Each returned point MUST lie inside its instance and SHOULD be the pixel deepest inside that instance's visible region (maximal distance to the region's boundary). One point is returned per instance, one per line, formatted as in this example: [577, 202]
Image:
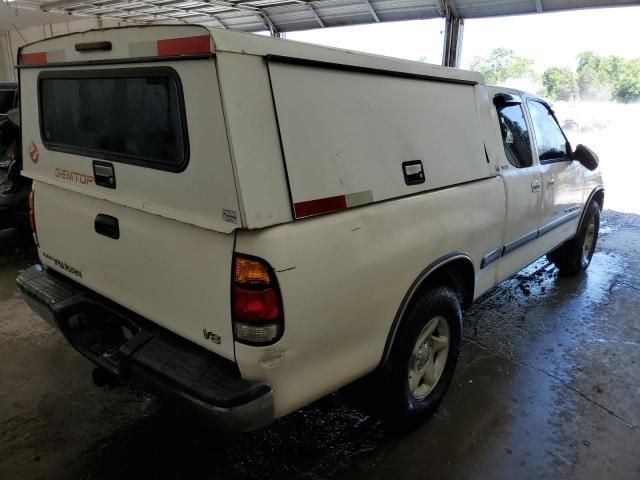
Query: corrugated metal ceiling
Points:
[291, 15]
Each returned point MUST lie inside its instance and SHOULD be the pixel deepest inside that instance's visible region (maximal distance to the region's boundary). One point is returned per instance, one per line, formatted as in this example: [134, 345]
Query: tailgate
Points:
[174, 274]
[135, 192]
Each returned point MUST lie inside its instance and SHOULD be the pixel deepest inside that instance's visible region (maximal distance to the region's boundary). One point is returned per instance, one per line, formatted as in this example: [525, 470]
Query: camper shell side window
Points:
[131, 115]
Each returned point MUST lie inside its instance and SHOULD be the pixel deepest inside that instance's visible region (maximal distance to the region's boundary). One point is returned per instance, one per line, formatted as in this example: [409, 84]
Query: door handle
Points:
[535, 186]
[107, 225]
[551, 182]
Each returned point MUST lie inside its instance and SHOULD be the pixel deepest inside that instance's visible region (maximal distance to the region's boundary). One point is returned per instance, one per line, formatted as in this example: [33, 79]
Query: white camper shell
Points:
[164, 157]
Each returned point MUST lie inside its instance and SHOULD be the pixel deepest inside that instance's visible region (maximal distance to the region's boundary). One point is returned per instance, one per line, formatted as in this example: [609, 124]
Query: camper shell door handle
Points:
[104, 174]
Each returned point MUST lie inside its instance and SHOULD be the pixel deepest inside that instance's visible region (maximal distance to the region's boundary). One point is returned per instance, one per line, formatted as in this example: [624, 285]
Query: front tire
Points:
[574, 257]
[423, 358]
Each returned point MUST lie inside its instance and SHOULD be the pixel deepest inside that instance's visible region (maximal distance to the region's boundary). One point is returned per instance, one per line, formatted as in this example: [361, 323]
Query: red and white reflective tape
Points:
[172, 47]
[42, 58]
[332, 204]
[167, 47]
[37, 58]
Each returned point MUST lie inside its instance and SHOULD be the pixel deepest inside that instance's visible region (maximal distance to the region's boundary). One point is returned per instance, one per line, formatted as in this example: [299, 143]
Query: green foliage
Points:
[626, 87]
[594, 84]
[596, 77]
[559, 83]
[602, 78]
[502, 64]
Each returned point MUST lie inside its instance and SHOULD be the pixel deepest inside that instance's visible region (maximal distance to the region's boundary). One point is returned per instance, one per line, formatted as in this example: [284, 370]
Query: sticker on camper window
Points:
[33, 153]
[229, 216]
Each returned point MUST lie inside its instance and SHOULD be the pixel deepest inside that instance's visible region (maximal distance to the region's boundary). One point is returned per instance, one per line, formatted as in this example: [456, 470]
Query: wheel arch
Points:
[454, 270]
[596, 194]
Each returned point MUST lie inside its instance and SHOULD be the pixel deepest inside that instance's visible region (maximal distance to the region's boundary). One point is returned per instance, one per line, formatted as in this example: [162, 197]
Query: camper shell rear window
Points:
[131, 115]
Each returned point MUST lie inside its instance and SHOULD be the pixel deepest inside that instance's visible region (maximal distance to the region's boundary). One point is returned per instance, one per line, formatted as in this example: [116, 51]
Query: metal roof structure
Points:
[290, 15]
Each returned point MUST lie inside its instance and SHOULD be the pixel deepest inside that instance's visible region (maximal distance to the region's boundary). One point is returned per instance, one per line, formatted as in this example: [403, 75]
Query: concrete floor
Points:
[548, 386]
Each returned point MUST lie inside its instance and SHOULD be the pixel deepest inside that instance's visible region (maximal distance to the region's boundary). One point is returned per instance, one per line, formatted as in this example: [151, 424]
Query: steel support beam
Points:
[450, 6]
[314, 12]
[539, 8]
[269, 24]
[454, 28]
[374, 14]
[138, 12]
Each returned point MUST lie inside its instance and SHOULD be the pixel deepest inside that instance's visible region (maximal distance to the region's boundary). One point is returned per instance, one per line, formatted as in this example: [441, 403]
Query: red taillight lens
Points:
[32, 221]
[255, 305]
[255, 302]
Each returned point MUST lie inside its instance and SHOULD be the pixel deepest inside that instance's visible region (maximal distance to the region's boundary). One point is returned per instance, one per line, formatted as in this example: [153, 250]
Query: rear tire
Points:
[423, 358]
[574, 256]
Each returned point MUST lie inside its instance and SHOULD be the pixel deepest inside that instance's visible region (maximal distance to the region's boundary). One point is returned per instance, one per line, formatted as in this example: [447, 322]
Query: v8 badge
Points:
[217, 339]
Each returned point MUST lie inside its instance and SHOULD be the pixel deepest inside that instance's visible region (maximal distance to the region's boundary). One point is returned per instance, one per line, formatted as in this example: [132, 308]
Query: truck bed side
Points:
[343, 277]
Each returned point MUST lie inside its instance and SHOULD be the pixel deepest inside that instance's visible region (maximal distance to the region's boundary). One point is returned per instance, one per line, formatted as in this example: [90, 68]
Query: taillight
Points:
[32, 217]
[256, 305]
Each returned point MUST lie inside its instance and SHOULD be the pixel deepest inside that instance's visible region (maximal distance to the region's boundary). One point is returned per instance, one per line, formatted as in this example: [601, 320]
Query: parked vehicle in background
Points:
[14, 189]
[8, 101]
[8, 97]
[246, 224]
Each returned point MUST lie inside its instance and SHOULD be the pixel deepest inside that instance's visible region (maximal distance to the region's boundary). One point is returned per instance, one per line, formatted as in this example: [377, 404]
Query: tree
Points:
[595, 76]
[502, 64]
[626, 87]
[559, 83]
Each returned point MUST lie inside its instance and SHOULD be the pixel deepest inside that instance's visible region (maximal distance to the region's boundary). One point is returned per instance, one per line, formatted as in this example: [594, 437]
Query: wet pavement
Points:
[547, 386]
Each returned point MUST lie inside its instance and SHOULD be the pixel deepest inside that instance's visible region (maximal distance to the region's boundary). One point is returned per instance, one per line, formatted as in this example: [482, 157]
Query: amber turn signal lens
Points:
[250, 272]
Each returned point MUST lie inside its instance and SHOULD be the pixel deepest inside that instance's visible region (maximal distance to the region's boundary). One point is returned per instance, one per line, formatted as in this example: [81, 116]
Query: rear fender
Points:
[455, 269]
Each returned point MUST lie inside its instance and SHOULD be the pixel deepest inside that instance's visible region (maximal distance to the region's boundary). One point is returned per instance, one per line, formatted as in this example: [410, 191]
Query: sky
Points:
[549, 39]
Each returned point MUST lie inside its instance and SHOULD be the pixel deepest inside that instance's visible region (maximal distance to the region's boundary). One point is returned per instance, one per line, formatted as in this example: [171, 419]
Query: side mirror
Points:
[586, 157]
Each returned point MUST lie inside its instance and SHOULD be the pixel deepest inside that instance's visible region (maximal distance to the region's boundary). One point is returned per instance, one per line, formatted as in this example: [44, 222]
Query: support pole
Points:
[6, 59]
[453, 33]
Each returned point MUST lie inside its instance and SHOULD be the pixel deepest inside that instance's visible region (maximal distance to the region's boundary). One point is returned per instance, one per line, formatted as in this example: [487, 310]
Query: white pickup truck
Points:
[247, 224]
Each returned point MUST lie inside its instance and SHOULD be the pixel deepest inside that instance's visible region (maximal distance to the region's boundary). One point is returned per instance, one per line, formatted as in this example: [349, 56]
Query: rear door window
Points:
[126, 115]
[515, 135]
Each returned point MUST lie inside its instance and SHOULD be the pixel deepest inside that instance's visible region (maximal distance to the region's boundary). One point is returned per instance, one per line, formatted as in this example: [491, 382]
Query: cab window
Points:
[515, 135]
[551, 144]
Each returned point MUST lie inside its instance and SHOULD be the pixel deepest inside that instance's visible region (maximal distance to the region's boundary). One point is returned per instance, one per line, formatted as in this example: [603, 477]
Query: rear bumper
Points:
[135, 350]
